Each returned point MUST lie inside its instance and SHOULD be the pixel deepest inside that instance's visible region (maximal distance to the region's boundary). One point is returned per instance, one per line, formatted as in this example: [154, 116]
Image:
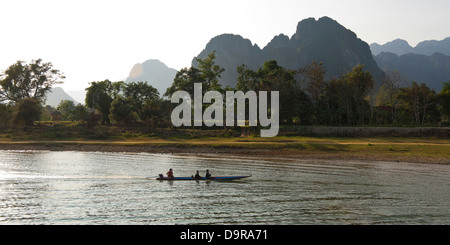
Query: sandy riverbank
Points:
[357, 152]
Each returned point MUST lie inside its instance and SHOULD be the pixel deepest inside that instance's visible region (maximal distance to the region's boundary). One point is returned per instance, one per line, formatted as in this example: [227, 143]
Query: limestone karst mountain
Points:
[432, 70]
[401, 47]
[155, 73]
[428, 62]
[323, 40]
[55, 96]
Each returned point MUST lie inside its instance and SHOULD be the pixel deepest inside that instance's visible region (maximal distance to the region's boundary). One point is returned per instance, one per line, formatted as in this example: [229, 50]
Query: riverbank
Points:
[419, 150]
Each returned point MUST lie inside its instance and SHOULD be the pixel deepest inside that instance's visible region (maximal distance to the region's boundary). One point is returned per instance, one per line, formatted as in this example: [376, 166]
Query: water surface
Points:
[44, 187]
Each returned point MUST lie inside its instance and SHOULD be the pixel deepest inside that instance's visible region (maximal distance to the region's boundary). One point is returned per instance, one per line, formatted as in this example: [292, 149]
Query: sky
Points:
[94, 40]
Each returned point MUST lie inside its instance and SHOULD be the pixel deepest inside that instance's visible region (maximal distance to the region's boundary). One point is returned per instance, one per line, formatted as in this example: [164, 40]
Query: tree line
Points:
[306, 97]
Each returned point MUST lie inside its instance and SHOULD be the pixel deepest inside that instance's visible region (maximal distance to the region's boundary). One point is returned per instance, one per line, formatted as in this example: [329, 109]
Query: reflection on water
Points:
[43, 187]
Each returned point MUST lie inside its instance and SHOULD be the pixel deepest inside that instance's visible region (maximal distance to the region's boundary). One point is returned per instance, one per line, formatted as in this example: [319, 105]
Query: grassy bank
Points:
[385, 149]
[78, 138]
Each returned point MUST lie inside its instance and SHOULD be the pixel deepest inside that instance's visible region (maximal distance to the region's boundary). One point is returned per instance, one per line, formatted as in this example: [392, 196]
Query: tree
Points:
[346, 97]
[332, 101]
[137, 100]
[73, 112]
[6, 111]
[273, 77]
[152, 112]
[301, 110]
[420, 101]
[444, 100]
[32, 80]
[389, 91]
[314, 78]
[295, 106]
[247, 79]
[122, 110]
[139, 94]
[26, 112]
[100, 95]
[184, 81]
[66, 107]
[80, 113]
[360, 83]
[315, 86]
[210, 71]
[207, 73]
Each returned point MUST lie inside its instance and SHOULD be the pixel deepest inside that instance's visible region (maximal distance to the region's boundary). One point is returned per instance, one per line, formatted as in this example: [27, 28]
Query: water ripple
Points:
[43, 187]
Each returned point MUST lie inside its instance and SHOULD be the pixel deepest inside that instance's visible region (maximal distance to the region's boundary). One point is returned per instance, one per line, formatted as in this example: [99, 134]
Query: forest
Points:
[306, 98]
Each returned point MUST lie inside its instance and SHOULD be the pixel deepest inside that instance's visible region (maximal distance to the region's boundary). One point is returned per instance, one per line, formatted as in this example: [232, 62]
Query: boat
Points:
[216, 178]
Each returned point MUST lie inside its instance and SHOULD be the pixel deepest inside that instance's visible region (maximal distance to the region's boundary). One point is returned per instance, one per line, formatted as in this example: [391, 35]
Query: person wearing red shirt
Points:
[170, 174]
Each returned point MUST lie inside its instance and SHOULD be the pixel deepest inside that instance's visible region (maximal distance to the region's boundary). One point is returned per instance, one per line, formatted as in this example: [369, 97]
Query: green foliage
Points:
[295, 105]
[72, 112]
[210, 72]
[247, 79]
[66, 107]
[142, 98]
[32, 80]
[357, 86]
[444, 100]
[420, 102]
[6, 111]
[207, 73]
[122, 110]
[273, 77]
[314, 78]
[184, 80]
[79, 113]
[26, 112]
[344, 101]
[311, 100]
[415, 104]
[339, 101]
[100, 95]
[315, 87]
[123, 102]
[25, 86]
[140, 92]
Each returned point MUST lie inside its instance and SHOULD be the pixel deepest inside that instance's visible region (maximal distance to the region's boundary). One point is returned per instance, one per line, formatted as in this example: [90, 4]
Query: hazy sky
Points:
[93, 40]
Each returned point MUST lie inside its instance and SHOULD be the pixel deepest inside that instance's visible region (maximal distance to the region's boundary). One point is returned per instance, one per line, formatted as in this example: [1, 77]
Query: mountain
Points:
[155, 73]
[428, 62]
[433, 46]
[432, 70]
[401, 47]
[231, 51]
[398, 46]
[55, 96]
[323, 40]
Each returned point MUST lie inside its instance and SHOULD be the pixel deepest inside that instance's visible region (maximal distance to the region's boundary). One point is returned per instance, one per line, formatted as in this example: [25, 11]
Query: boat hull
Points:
[217, 178]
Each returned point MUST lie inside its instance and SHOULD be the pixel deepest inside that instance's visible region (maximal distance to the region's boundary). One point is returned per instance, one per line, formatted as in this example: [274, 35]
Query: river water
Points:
[45, 187]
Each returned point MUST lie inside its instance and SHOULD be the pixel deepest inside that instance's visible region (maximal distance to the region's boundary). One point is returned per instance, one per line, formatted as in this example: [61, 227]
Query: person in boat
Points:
[208, 175]
[197, 175]
[170, 174]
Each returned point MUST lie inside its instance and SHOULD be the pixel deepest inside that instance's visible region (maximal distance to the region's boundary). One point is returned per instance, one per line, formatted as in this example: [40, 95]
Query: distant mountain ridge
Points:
[428, 62]
[154, 72]
[54, 97]
[432, 70]
[323, 40]
[401, 47]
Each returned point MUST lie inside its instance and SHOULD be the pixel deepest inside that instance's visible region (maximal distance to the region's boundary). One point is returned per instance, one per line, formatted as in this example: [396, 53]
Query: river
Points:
[46, 187]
